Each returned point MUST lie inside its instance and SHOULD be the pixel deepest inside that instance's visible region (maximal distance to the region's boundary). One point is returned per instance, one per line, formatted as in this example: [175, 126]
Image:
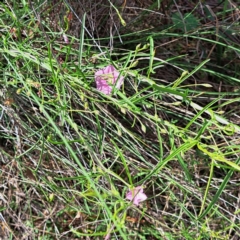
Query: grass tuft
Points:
[69, 153]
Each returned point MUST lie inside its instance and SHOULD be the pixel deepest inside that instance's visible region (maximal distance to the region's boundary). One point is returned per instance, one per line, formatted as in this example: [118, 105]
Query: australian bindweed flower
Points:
[107, 78]
[136, 195]
[65, 38]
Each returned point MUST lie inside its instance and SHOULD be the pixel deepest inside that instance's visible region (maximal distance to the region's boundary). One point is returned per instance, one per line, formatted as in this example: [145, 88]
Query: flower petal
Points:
[105, 78]
[136, 195]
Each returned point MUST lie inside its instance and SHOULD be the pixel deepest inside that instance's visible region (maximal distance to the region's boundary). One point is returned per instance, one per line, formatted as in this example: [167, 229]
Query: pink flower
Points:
[107, 237]
[136, 195]
[65, 38]
[106, 78]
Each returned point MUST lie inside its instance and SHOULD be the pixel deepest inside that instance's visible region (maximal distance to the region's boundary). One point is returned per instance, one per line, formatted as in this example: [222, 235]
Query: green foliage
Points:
[69, 153]
[185, 23]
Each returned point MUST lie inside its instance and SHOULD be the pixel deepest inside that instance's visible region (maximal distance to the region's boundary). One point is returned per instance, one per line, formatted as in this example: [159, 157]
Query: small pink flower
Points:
[107, 237]
[65, 38]
[136, 195]
[106, 78]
